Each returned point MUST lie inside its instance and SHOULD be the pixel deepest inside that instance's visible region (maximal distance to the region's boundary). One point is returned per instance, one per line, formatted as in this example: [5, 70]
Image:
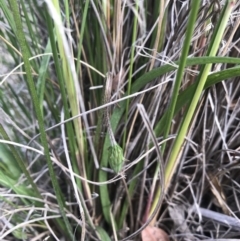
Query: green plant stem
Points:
[115, 158]
[134, 37]
[180, 72]
[181, 67]
[20, 163]
[83, 26]
[32, 90]
[179, 141]
[172, 162]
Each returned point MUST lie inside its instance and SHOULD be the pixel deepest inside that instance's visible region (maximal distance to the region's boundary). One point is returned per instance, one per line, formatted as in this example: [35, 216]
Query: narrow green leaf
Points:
[22, 41]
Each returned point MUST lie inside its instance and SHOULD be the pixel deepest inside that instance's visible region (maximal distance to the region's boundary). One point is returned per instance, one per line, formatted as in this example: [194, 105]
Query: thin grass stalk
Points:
[20, 163]
[83, 27]
[73, 93]
[129, 86]
[33, 35]
[42, 76]
[180, 72]
[32, 90]
[217, 38]
[158, 33]
[69, 127]
[104, 194]
[178, 143]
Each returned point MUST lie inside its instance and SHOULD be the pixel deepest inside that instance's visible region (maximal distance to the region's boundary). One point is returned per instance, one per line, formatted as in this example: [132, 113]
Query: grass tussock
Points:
[174, 109]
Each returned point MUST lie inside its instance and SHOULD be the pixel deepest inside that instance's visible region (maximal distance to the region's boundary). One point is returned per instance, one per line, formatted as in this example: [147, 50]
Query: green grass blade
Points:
[157, 72]
[172, 162]
[181, 67]
[129, 86]
[184, 96]
[33, 92]
[18, 163]
[83, 27]
[42, 75]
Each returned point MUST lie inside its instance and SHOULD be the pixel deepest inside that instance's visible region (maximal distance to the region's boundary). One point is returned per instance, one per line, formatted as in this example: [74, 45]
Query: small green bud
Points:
[115, 158]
